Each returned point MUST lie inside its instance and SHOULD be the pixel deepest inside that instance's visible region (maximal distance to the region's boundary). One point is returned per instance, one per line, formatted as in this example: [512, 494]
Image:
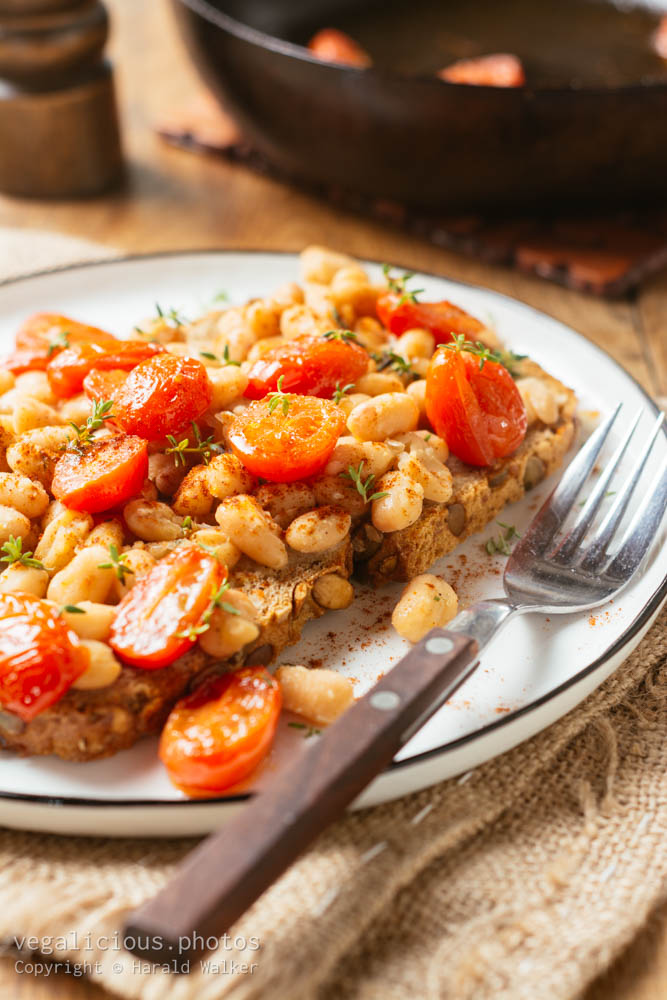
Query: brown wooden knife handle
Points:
[220, 879]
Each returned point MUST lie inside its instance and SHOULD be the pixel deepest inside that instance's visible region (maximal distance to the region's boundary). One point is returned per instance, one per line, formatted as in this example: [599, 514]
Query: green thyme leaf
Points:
[363, 486]
[117, 563]
[13, 553]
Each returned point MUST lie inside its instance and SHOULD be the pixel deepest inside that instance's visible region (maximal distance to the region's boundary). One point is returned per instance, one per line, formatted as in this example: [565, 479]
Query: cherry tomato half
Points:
[285, 446]
[151, 627]
[50, 333]
[40, 656]
[335, 46]
[478, 411]
[67, 371]
[309, 366]
[162, 396]
[217, 736]
[442, 319]
[102, 475]
[498, 70]
[101, 385]
[25, 361]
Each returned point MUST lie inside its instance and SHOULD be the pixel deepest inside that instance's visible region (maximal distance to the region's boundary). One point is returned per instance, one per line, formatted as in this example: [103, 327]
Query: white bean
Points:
[333, 592]
[165, 472]
[103, 668]
[401, 506]
[318, 695]
[216, 539]
[418, 442]
[539, 399]
[417, 390]
[384, 416]
[35, 384]
[427, 602]
[378, 383]
[298, 320]
[82, 579]
[65, 531]
[24, 580]
[252, 530]
[320, 264]
[137, 562]
[339, 491]
[223, 477]
[13, 523]
[7, 381]
[35, 453]
[23, 494]
[106, 533]
[318, 530]
[152, 521]
[30, 413]
[228, 384]
[416, 343]
[228, 632]
[349, 451]
[92, 622]
[285, 501]
[424, 468]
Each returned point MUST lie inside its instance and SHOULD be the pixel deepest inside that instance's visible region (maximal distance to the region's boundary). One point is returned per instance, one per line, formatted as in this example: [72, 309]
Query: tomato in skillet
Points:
[289, 441]
[68, 369]
[477, 410]
[50, 333]
[101, 475]
[309, 366]
[157, 620]
[498, 70]
[217, 736]
[399, 313]
[162, 396]
[40, 656]
[335, 46]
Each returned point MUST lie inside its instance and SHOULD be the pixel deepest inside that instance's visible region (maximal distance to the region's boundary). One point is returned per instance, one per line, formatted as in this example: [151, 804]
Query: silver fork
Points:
[553, 569]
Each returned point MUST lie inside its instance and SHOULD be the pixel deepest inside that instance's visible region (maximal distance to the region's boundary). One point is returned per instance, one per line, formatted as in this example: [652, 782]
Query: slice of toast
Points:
[479, 494]
[85, 725]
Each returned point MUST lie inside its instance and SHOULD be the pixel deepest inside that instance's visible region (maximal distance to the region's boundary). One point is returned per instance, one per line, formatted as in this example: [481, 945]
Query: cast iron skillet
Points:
[590, 127]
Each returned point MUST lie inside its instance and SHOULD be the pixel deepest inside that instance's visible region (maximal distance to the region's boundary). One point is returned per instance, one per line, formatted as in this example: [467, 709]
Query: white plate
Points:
[535, 672]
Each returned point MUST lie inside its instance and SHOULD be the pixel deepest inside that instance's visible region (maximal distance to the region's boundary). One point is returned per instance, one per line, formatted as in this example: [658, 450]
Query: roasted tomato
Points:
[25, 361]
[69, 368]
[335, 46]
[498, 70]
[162, 396]
[217, 736]
[50, 333]
[157, 620]
[288, 441]
[477, 410]
[309, 366]
[101, 385]
[40, 656]
[443, 319]
[102, 474]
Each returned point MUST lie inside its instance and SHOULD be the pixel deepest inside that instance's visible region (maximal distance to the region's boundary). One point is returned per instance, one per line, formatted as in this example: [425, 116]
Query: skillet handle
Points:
[226, 873]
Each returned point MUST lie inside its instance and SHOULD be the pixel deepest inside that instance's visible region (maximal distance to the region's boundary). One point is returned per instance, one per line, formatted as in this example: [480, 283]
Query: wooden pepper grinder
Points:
[58, 124]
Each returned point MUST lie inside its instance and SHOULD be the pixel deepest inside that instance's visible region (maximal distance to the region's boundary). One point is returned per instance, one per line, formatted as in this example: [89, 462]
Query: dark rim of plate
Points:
[653, 605]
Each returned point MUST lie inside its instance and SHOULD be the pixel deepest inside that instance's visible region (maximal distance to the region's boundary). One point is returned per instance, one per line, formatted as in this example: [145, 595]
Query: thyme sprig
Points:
[363, 486]
[204, 447]
[389, 359]
[224, 360]
[308, 730]
[13, 553]
[117, 562]
[347, 336]
[279, 398]
[341, 391]
[172, 317]
[507, 359]
[397, 285]
[502, 545]
[100, 413]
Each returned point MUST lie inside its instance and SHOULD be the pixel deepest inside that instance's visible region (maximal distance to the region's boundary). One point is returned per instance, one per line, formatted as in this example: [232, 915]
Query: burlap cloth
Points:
[523, 879]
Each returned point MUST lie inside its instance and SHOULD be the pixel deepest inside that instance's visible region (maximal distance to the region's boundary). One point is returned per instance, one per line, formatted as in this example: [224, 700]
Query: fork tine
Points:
[555, 510]
[595, 555]
[641, 531]
[570, 544]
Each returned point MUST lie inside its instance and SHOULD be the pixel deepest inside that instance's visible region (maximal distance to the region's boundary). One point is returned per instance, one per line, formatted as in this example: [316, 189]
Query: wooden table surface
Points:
[177, 200]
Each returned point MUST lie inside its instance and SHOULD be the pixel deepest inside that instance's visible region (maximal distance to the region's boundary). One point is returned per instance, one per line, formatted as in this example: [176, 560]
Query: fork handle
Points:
[220, 879]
